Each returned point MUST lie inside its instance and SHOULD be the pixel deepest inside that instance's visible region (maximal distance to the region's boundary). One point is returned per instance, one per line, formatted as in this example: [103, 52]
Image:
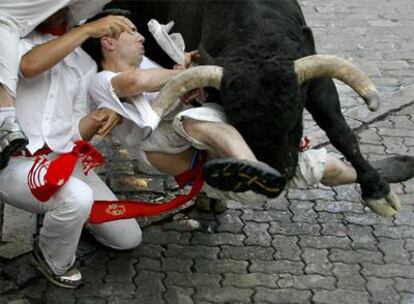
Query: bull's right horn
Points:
[193, 78]
[317, 66]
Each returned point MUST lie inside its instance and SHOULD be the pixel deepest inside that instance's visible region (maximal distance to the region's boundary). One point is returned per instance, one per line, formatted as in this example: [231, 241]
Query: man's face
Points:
[131, 46]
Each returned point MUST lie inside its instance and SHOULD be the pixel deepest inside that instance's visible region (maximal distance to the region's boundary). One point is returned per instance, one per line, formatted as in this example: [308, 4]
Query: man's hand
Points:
[111, 26]
[107, 120]
[191, 57]
[198, 95]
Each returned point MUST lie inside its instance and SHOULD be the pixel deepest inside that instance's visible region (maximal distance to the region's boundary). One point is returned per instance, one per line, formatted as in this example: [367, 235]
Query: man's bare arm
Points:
[136, 82]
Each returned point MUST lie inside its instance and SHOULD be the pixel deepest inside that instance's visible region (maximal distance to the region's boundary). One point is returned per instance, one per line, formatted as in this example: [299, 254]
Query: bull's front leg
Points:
[323, 103]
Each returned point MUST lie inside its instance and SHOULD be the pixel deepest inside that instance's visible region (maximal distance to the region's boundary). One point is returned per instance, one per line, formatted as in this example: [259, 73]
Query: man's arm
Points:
[133, 83]
[99, 122]
[45, 56]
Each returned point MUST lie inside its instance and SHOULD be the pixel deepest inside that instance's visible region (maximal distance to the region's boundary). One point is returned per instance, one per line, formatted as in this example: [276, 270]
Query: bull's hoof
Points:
[386, 206]
[395, 169]
[228, 174]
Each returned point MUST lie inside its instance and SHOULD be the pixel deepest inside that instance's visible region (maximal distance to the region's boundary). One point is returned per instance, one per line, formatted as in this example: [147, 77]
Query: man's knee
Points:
[130, 239]
[78, 198]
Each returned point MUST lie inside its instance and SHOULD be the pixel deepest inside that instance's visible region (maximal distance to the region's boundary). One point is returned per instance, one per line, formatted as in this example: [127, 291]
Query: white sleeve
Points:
[81, 104]
[103, 95]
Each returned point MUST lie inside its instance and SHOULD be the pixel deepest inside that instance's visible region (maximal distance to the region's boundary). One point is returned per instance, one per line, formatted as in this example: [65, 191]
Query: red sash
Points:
[105, 211]
[46, 177]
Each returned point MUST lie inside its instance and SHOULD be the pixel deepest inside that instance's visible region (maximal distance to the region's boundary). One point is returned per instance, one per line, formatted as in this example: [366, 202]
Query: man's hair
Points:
[92, 46]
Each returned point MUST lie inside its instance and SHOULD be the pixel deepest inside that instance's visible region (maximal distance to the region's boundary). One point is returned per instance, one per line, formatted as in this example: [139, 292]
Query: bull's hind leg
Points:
[323, 103]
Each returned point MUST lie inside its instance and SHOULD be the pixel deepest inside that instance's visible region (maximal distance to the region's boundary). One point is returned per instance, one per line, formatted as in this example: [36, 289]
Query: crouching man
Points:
[52, 176]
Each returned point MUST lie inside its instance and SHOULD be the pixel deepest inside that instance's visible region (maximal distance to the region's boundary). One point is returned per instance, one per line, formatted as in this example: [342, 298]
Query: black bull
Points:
[256, 42]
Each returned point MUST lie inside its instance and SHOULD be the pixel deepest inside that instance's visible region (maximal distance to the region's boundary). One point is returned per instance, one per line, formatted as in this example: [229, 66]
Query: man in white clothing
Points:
[18, 19]
[51, 104]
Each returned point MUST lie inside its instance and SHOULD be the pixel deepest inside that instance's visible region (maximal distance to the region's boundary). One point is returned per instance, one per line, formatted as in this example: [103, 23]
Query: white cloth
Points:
[50, 105]
[19, 17]
[66, 212]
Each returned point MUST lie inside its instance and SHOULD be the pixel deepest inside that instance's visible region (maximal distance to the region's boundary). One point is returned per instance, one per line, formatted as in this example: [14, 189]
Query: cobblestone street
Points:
[308, 246]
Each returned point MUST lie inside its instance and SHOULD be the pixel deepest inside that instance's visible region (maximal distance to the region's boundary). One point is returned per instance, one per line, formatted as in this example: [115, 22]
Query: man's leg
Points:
[337, 172]
[236, 167]
[65, 215]
[121, 234]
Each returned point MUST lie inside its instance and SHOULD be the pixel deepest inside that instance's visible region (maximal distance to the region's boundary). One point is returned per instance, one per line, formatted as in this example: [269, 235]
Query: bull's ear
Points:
[309, 41]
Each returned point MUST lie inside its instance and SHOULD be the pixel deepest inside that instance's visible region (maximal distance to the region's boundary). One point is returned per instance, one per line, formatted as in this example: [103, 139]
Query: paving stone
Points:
[404, 285]
[292, 229]
[288, 295]
[394, 232]
[394, 251]
[223, 295]
[178, 295]
[382, 290]
[155, 235]
[120, 270]
[341, 297]
[7, 286]
[355, 256]
[310, 194]
[349, 277]
[339, 207]
[407, 298]
[334, 229]
[362, 237]
[325, 242]
[199, 280]
[389, 270]
[257, 234]
[265, 216]
[191, 252]
[230, 221]
[286, 248]
[409, 245]
[149, 286]
[91, 300]
[316, 261]
[20, 271]
[306, 282]
[350, 193]
[177, 264]
[247, 253]
[220, 266]
[217, 239]
[280, 266]
[250, 280]
[303, 212]
[145, 263]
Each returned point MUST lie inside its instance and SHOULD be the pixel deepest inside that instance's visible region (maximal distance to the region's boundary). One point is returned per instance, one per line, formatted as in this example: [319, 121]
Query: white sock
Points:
[6, 112]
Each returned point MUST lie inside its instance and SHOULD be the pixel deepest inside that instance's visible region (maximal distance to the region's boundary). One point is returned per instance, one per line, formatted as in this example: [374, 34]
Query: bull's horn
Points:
[317, 66]
[193, 78]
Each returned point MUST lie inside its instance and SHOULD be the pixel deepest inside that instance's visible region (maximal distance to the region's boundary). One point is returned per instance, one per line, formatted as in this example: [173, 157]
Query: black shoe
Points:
[12, 140]
[395, 169]
[71, 279]
[229, 174]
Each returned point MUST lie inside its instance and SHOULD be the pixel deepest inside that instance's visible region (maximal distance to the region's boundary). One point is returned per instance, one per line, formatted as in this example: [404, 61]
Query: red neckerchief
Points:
[56, 31]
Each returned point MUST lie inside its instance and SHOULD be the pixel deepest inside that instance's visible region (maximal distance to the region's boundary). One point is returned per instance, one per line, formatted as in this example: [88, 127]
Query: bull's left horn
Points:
[317, 66]
[193, 78]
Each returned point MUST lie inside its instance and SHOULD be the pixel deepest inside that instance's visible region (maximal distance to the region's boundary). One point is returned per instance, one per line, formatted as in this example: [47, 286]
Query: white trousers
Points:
[66, 213]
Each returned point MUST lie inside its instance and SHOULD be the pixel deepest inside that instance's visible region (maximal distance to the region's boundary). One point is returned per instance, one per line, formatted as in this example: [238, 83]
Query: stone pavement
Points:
[308, 246]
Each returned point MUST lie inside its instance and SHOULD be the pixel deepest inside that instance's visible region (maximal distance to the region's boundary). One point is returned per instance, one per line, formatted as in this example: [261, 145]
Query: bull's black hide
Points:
[256, 43]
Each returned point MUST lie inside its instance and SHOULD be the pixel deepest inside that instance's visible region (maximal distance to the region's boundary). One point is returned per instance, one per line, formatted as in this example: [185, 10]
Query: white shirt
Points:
[25, 15]
[50, 106]
[139, 110]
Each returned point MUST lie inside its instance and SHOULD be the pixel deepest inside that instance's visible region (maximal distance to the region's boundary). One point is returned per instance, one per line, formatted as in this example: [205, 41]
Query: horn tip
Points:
[373, 102]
